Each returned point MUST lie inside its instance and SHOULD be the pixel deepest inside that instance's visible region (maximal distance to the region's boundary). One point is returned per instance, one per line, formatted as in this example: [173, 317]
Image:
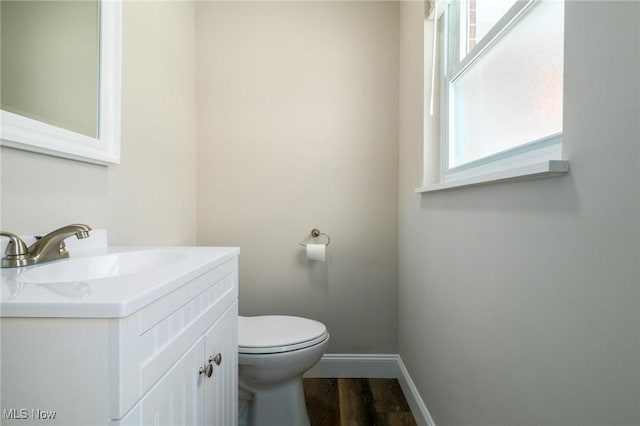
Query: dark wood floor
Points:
[356, 402]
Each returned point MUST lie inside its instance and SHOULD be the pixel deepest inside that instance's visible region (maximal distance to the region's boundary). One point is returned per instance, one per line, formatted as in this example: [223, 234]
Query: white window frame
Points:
[535, 159]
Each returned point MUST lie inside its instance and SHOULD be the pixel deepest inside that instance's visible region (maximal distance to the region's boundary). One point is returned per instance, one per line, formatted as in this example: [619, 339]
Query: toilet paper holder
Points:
[315, 233]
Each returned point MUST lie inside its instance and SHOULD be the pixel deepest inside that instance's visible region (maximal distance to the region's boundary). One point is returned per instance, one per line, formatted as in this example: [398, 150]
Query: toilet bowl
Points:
[273, 354]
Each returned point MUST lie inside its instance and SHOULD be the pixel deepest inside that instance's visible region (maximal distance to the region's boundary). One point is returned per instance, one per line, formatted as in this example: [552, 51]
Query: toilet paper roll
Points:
[316, 252]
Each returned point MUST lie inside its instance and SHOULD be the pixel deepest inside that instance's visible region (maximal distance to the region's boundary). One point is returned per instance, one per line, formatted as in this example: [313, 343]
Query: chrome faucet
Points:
[46, 248]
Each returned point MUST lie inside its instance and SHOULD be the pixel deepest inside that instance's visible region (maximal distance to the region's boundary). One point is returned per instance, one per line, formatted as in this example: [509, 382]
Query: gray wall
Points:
[297, 128]
[519, 302]
[150, 197]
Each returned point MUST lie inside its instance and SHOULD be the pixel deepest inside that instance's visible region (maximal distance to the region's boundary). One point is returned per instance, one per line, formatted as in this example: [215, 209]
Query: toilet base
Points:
[278, 405]
[244, 407]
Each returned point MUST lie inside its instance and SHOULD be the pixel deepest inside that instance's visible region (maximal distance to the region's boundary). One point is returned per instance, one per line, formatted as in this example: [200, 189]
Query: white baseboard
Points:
[368, 366]
[417, 405]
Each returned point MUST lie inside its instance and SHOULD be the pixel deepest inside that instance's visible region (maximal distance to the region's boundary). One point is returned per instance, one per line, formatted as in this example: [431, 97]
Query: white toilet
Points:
[274, 353]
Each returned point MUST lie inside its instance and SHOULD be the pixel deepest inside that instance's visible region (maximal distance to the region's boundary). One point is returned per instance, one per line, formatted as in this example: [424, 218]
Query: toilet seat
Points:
[278, 333]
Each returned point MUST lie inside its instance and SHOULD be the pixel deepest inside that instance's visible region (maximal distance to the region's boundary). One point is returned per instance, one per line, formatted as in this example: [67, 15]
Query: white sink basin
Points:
[98, 267]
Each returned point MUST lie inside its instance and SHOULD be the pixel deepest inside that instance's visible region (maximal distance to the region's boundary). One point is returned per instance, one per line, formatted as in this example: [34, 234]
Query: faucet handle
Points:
[16, 247]
[16, 253]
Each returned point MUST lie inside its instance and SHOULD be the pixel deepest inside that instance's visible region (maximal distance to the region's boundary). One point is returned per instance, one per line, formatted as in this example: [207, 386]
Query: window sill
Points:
[532, 171]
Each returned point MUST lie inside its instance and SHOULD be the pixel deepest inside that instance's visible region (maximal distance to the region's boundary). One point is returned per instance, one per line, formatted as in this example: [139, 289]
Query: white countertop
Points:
[112, 297]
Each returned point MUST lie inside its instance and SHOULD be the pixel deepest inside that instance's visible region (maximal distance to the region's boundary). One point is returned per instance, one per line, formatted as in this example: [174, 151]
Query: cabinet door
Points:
[177, 399]
[221, 389]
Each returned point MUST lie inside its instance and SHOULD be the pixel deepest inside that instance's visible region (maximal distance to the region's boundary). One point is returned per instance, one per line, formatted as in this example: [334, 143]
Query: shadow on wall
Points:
[318, 272]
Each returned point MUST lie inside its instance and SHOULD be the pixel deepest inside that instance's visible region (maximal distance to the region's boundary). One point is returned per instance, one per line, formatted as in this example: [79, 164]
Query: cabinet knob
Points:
[217, 359]
[208, 370]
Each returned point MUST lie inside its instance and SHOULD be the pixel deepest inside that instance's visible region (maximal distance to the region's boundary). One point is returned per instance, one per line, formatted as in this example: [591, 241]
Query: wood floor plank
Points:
[356, 402]
[323, 404]
[388, 396]
[396, 419]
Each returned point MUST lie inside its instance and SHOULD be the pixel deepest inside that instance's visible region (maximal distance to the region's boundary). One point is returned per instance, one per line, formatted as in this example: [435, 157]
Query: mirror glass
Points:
[50, 62]
[60, 77]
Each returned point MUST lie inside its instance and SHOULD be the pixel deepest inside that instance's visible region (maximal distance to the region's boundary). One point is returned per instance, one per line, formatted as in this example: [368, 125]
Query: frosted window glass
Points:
[483, 14]
[511, 94]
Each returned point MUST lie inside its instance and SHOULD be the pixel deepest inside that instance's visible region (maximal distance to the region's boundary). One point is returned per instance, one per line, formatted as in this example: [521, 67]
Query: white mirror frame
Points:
[25, 133]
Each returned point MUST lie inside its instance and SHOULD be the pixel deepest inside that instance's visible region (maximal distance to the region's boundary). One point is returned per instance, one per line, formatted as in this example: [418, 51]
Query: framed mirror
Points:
[61, 78]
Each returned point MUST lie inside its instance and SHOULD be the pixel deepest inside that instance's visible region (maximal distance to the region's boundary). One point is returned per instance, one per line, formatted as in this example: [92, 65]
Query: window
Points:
[502, 68]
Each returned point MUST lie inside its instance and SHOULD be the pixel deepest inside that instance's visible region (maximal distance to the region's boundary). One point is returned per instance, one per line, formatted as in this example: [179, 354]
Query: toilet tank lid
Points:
[277, 330]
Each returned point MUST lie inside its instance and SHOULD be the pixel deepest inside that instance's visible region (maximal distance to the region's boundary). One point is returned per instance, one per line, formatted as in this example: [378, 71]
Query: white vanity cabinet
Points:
[186, 394]
[150, 367]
